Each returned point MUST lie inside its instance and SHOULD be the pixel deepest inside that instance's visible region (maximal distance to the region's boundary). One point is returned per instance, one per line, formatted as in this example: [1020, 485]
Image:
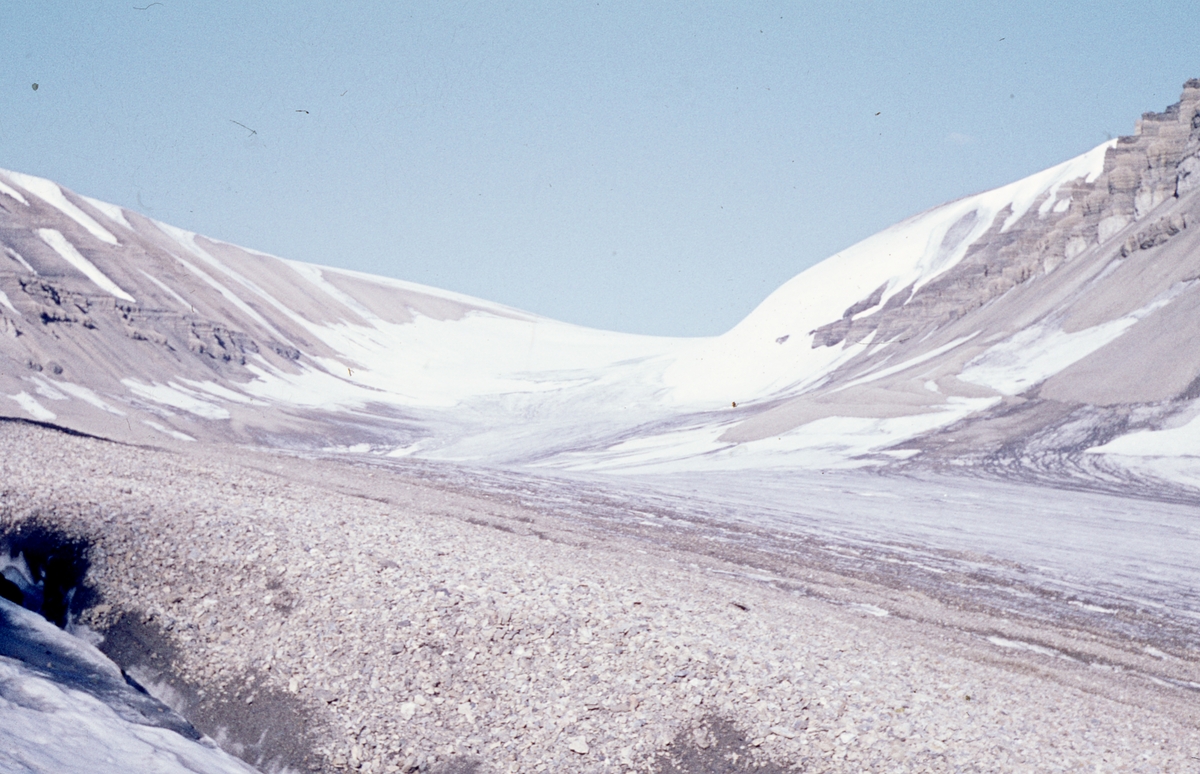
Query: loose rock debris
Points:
[380, 636]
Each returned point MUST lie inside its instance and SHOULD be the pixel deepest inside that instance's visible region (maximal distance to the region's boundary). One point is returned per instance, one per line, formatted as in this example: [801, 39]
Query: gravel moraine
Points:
[415, 628]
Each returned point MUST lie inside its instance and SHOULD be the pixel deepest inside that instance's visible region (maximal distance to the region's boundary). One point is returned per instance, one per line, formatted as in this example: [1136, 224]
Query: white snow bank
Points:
[1181, 441]
[167, 431]
[110, 211]
[11, 253]
[32, 407]
[315, 273]
[187, 240]
[53, 195]
[1029, 646]
[218, 391]
[755, 360]
[167, 289]
[907, 364]
[1025, 192]
[72, 256]
[13, 193]
[88, 396]
[1034, 354]
[162, 286]
[46, 390]
[49, 727]
[490, 351]
[4, 300]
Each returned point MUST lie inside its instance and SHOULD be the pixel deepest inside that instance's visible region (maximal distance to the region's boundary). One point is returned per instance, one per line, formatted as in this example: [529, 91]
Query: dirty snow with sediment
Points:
[51, 726]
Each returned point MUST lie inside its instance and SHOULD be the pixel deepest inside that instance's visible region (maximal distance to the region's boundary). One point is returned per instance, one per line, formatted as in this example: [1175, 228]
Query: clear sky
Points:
[636, 166]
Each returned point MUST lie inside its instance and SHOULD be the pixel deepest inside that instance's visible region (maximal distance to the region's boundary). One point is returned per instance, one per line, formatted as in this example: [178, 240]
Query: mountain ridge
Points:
[1044, 319]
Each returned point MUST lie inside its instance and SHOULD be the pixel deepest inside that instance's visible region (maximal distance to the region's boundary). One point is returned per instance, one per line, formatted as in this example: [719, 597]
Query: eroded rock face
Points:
[1066, 328]
[1156, 164]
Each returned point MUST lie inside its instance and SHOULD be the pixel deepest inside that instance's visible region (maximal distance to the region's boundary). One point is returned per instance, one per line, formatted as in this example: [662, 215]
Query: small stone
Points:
[578, 745]
[408, 709]
[784, 732]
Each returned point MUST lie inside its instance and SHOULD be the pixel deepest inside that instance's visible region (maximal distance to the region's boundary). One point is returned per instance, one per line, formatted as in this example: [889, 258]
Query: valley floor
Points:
[329, 614]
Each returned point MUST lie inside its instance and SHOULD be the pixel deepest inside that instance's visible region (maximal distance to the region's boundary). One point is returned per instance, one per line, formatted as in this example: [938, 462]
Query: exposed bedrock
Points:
[1155, 165]
[1114, 261]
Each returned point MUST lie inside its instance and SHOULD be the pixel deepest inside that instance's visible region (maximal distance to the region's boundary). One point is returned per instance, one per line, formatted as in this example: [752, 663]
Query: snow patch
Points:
[414, 287]
[186, 240]
[1183, 441]
[72, 256]
[910, 363]
[110, 211]
[32, 407]
[746, 363]
[88, 396]
[4, 300]
[17, 257]
[43, 388]
[176, 396]
[168, 431]
[1025, 192]
[442, 363]
[219, 391]
[1091, 608]
[1034, 354]
[12, 193]
[53, 195]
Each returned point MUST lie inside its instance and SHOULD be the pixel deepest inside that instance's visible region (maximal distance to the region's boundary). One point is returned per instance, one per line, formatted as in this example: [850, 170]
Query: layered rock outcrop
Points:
[1159, 162]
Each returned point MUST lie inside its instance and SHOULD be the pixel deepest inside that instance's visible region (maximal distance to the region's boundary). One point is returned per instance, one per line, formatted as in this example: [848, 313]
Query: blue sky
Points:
[639, 167]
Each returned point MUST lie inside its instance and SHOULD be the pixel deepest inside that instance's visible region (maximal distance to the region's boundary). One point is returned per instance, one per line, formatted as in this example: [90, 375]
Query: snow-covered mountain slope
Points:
[1051, 318]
